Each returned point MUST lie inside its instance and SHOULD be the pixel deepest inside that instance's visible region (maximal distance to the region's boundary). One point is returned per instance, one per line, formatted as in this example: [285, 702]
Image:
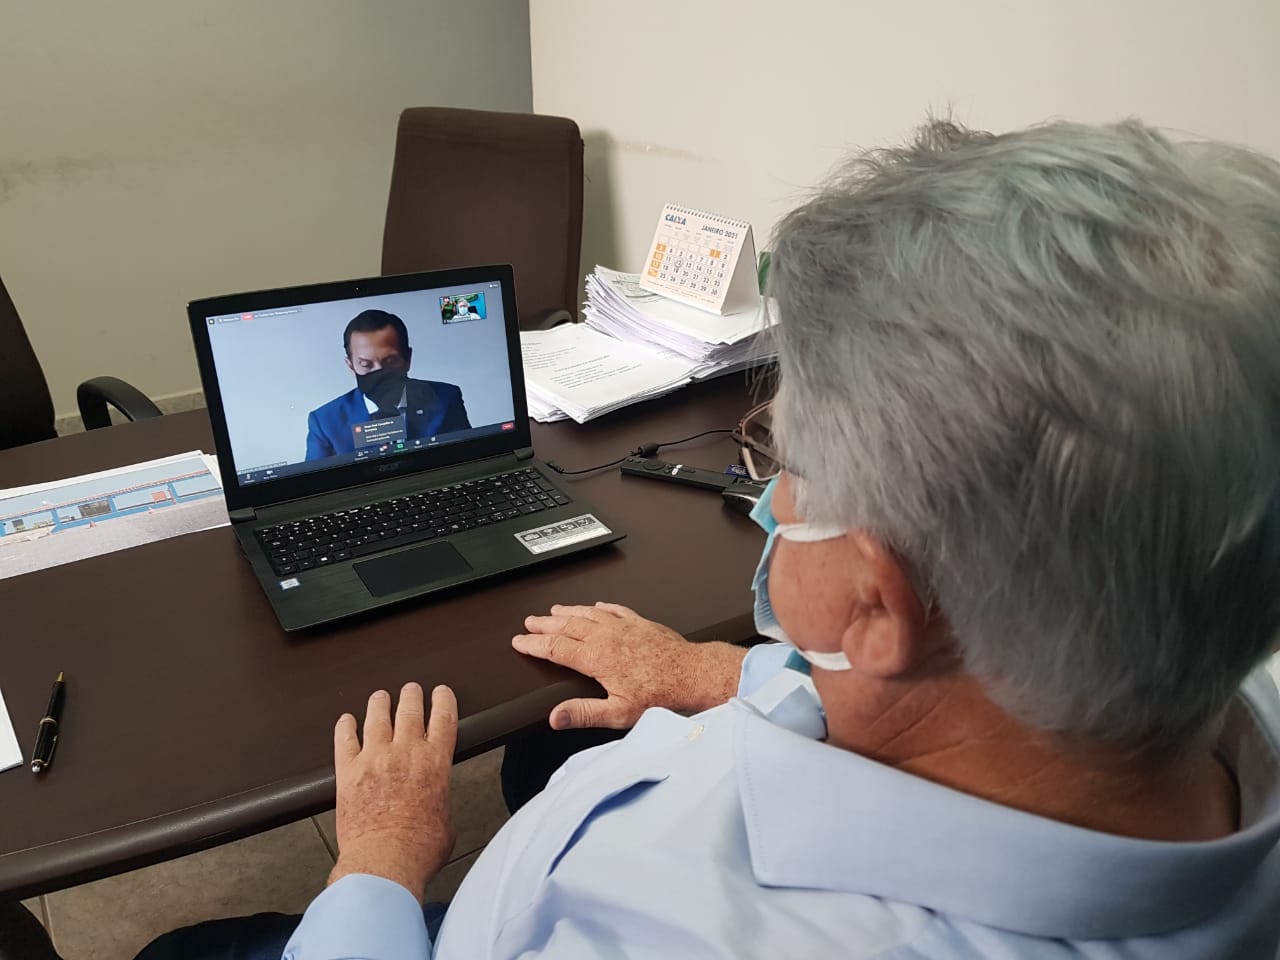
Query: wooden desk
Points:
[192, 719]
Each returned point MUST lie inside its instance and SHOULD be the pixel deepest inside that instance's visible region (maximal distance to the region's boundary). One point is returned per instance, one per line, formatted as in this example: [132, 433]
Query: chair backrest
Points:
[26, 408]
[473, 187]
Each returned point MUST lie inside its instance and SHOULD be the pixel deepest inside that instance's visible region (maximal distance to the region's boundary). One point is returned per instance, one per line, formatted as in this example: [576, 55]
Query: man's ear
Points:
[888, 633]
[349, 365]
[408, 356]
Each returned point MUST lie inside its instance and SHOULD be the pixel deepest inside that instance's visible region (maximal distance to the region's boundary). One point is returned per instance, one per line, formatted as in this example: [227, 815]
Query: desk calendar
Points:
[702, 260]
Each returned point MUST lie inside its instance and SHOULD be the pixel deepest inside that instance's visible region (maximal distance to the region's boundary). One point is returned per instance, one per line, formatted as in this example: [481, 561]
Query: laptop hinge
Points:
[242, 515]
[524, 453]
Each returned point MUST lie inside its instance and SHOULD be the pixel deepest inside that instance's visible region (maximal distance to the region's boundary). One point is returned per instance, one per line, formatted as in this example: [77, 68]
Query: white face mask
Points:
[826, 661]
[766, 621]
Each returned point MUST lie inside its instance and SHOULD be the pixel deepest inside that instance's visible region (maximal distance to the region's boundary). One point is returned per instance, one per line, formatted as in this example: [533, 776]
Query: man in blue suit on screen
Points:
[378, 353]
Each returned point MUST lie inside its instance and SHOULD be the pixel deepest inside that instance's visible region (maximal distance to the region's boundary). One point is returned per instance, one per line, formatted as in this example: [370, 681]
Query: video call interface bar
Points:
[454, 308]
[390, 441]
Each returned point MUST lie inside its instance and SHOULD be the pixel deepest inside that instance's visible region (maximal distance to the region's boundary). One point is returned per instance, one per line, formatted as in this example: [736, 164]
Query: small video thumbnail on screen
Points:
[460, 307]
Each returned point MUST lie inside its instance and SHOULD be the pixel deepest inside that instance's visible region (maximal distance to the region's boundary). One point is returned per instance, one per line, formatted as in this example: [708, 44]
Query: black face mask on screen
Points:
[384, 387]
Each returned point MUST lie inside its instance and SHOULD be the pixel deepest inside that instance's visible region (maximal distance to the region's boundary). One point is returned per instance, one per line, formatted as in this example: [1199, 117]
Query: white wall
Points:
[154, 151]
[736, 106]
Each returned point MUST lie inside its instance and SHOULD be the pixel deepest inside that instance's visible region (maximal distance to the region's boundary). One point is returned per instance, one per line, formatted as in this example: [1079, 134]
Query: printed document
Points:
[10, 752]
[47, 524]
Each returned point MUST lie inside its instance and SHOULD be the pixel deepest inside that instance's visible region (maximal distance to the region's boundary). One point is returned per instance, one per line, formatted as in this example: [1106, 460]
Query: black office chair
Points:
[21, 935]
[26, 407]
[473, 187]
[26, 415]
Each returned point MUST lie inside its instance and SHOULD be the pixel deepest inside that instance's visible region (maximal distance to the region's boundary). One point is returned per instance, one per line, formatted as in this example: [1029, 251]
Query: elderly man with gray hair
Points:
[1023, 559]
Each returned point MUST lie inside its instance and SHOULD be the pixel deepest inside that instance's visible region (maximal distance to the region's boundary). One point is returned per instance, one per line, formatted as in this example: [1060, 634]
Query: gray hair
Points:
[1044, 367]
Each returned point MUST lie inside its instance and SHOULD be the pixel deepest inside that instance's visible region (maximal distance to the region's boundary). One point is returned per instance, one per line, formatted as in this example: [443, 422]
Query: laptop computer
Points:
[373, 440]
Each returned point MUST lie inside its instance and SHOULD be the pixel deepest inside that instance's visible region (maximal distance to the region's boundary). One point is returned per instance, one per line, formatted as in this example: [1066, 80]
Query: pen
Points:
[47, 736]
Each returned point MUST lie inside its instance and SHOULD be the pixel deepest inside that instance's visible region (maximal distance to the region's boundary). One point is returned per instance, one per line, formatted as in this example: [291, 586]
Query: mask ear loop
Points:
[805, 532]
[809, 532]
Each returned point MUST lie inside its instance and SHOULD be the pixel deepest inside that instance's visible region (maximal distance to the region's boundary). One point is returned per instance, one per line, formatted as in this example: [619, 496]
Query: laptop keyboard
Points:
[345, 534]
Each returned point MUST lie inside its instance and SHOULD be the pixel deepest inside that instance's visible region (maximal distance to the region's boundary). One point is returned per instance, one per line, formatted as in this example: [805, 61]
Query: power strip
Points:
[678, 473]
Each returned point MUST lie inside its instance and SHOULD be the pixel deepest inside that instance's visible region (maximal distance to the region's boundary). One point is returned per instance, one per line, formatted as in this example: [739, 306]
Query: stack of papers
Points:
[575, 371]
[618, 306]
[634, 345]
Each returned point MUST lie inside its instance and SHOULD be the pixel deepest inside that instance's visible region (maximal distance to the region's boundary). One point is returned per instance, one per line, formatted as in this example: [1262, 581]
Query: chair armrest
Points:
[95, 395]
[547, 319]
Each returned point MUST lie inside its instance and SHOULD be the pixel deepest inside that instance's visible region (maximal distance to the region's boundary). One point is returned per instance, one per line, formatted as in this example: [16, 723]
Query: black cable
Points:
[644, 450]
[696, 436]
[569, 473]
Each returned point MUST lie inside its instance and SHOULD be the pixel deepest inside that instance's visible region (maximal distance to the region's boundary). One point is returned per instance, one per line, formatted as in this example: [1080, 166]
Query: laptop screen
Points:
[323, 385]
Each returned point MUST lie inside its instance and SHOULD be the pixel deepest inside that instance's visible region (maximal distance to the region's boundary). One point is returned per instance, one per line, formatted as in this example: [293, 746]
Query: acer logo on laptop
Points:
[388, 467]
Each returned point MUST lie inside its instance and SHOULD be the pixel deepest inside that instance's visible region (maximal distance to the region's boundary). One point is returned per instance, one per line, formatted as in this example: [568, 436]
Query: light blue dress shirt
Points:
[738, 833]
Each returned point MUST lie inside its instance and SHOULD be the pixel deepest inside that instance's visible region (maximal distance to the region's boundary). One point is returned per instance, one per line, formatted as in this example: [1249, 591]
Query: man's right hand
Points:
[393, 792]
[639, 663]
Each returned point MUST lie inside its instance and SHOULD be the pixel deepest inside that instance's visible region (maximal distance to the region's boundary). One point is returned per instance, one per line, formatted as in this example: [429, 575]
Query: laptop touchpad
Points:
[412, 568]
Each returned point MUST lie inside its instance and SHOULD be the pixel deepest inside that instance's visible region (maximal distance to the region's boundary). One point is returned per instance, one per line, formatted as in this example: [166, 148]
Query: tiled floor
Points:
[280, 870]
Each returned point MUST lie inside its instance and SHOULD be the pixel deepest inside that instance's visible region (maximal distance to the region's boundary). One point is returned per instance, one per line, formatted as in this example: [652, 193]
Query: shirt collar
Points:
[400, 404]
[823, 818]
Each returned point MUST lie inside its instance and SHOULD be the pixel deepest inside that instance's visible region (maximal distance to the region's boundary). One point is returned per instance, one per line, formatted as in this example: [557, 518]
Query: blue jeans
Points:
[260, 937]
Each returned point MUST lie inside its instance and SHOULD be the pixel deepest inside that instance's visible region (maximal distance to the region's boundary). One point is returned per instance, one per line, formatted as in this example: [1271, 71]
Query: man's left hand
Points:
[639, 663]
